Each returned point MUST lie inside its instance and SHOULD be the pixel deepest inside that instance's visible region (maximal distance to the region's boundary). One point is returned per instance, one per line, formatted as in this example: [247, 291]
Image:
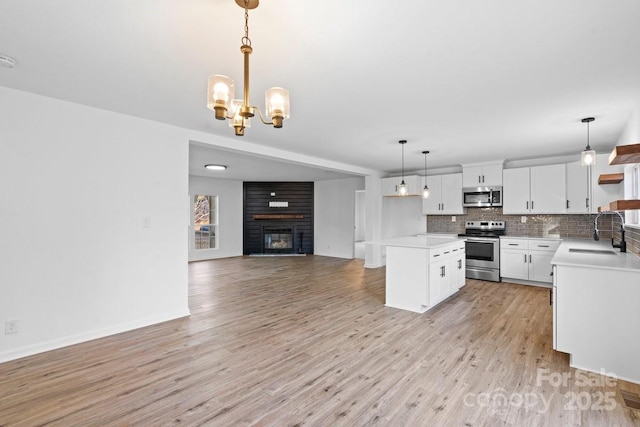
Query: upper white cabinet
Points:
[389, 186]
[535, 190]
[584, 194]
[578, 188]
[445, 195]
[482, 175]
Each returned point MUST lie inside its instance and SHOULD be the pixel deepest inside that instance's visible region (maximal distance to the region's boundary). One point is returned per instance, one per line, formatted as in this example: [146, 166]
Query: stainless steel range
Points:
[483, 249]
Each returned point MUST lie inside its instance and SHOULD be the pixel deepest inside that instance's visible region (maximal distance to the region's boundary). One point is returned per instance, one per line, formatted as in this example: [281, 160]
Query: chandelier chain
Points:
[246, 40]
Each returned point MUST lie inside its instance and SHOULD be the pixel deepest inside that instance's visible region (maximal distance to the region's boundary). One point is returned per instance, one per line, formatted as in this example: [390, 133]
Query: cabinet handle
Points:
[529, 258]
[532, 205]
[443, 206]
[513, 244]
[479, 181]
[459, 264]
[527, 205]
[442, 271]
[586, 203]
[567, 204]
[525, 258]
[483, 179]
[551, 296]
[543, 246]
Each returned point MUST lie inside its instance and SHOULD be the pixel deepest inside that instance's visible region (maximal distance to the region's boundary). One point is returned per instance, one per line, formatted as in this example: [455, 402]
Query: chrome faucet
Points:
[623, 244]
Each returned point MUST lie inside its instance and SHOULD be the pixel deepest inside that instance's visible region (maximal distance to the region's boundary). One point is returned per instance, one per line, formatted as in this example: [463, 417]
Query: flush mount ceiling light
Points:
[215, 167]
[220, 91]
[588, 156]
[425, 190]
[402, 188]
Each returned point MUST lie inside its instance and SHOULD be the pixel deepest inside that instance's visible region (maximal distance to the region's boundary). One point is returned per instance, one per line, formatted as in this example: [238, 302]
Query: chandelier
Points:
[588, 156]
[220, 91]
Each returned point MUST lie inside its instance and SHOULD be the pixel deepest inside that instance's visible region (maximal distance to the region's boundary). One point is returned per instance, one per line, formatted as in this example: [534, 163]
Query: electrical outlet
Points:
[453, 218]
[523, 219]
[10, 327]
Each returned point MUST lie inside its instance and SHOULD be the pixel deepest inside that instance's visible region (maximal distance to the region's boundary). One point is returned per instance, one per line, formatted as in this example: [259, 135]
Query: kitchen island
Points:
[596, 307]
[423, 270]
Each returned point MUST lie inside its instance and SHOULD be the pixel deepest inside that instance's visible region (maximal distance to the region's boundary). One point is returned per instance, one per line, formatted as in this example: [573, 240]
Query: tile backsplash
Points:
[563, 226]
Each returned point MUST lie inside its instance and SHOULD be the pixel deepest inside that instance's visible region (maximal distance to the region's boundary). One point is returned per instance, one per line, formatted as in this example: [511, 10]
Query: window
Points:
[205, 221]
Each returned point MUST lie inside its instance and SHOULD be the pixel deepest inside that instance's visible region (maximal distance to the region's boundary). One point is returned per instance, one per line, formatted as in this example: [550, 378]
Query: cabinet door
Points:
[514, 263]
[578, 198]
[431, 206]
[492, 175]
[459, 275]
[540, 266]
[548, 189]
[472, 176]
[437, 282]
[451, 194]
[389, 186]
[516, 191]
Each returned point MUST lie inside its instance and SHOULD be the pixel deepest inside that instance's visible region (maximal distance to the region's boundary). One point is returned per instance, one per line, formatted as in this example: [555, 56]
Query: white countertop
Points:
[422, 241]
[619, 261]
[548, 237]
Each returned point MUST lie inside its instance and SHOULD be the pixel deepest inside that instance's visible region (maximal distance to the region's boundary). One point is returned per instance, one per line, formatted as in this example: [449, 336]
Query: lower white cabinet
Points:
[527, 259]
[446, 272]
[419, 278]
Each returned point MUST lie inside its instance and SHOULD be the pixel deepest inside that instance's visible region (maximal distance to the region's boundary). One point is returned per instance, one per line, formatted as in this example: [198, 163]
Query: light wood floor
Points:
[308, 341]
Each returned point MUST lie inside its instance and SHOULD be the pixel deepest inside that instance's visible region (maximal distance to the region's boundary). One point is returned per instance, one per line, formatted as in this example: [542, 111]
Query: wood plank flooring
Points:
[308, 341]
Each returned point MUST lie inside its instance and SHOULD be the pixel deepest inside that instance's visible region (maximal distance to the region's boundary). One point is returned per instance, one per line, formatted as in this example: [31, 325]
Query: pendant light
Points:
[402, 188]
[425, 190]
[588, 156]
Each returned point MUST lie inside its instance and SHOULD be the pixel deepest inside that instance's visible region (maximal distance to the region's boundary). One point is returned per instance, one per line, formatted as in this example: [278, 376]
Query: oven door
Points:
[483, 252]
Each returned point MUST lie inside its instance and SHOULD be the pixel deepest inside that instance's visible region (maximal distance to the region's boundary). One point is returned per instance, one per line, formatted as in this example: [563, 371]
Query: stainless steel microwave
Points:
[480, 197]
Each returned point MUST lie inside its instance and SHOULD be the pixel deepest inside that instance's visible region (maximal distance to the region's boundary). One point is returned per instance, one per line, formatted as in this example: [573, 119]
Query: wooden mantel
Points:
[278, 216]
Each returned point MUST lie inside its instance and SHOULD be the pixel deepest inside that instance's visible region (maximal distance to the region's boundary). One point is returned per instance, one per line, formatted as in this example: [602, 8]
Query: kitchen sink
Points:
[592, 251]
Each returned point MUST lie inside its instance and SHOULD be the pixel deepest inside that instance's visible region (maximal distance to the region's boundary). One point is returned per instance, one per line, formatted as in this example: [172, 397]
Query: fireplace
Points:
[277, 240]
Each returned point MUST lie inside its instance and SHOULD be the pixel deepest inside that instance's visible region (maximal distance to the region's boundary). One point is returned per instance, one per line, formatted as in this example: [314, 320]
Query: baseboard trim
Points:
[55, 344]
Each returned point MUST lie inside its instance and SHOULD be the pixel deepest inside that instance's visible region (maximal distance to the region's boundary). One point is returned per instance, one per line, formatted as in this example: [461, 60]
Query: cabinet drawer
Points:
[514, 244]
[544, 245]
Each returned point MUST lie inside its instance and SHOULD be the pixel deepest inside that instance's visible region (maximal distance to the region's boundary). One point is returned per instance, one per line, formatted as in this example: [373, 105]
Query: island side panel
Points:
[597, 319]
[406, 278]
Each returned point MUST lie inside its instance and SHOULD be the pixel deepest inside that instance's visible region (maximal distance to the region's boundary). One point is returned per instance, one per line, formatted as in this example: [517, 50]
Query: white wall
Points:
[77, 187]
[229, 216]
[402, 216]
[360, 215]
[334, 220]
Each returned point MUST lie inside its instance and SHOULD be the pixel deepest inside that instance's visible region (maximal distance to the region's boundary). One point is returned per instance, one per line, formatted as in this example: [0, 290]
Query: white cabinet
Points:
[578, 188]
[445, 195]
[535, 190]
[482, 175]
[419, 278]
[446, 272]
[584, 194]
[389, 186]
[527, 259]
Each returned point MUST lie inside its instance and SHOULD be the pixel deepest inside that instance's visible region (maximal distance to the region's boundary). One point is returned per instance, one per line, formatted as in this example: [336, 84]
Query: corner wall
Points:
[92, 223]
[335, 216]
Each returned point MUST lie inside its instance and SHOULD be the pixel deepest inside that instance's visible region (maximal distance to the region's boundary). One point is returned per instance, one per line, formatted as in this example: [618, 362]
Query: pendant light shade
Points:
[588, 156]
[425, 190]
[402, 188]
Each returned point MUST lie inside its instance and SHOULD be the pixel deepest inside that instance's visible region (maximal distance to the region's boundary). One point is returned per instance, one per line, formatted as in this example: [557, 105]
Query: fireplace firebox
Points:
[278, 239]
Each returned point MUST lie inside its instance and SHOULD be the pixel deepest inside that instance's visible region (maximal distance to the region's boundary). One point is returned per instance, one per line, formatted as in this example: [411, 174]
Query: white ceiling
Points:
[468, 80]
